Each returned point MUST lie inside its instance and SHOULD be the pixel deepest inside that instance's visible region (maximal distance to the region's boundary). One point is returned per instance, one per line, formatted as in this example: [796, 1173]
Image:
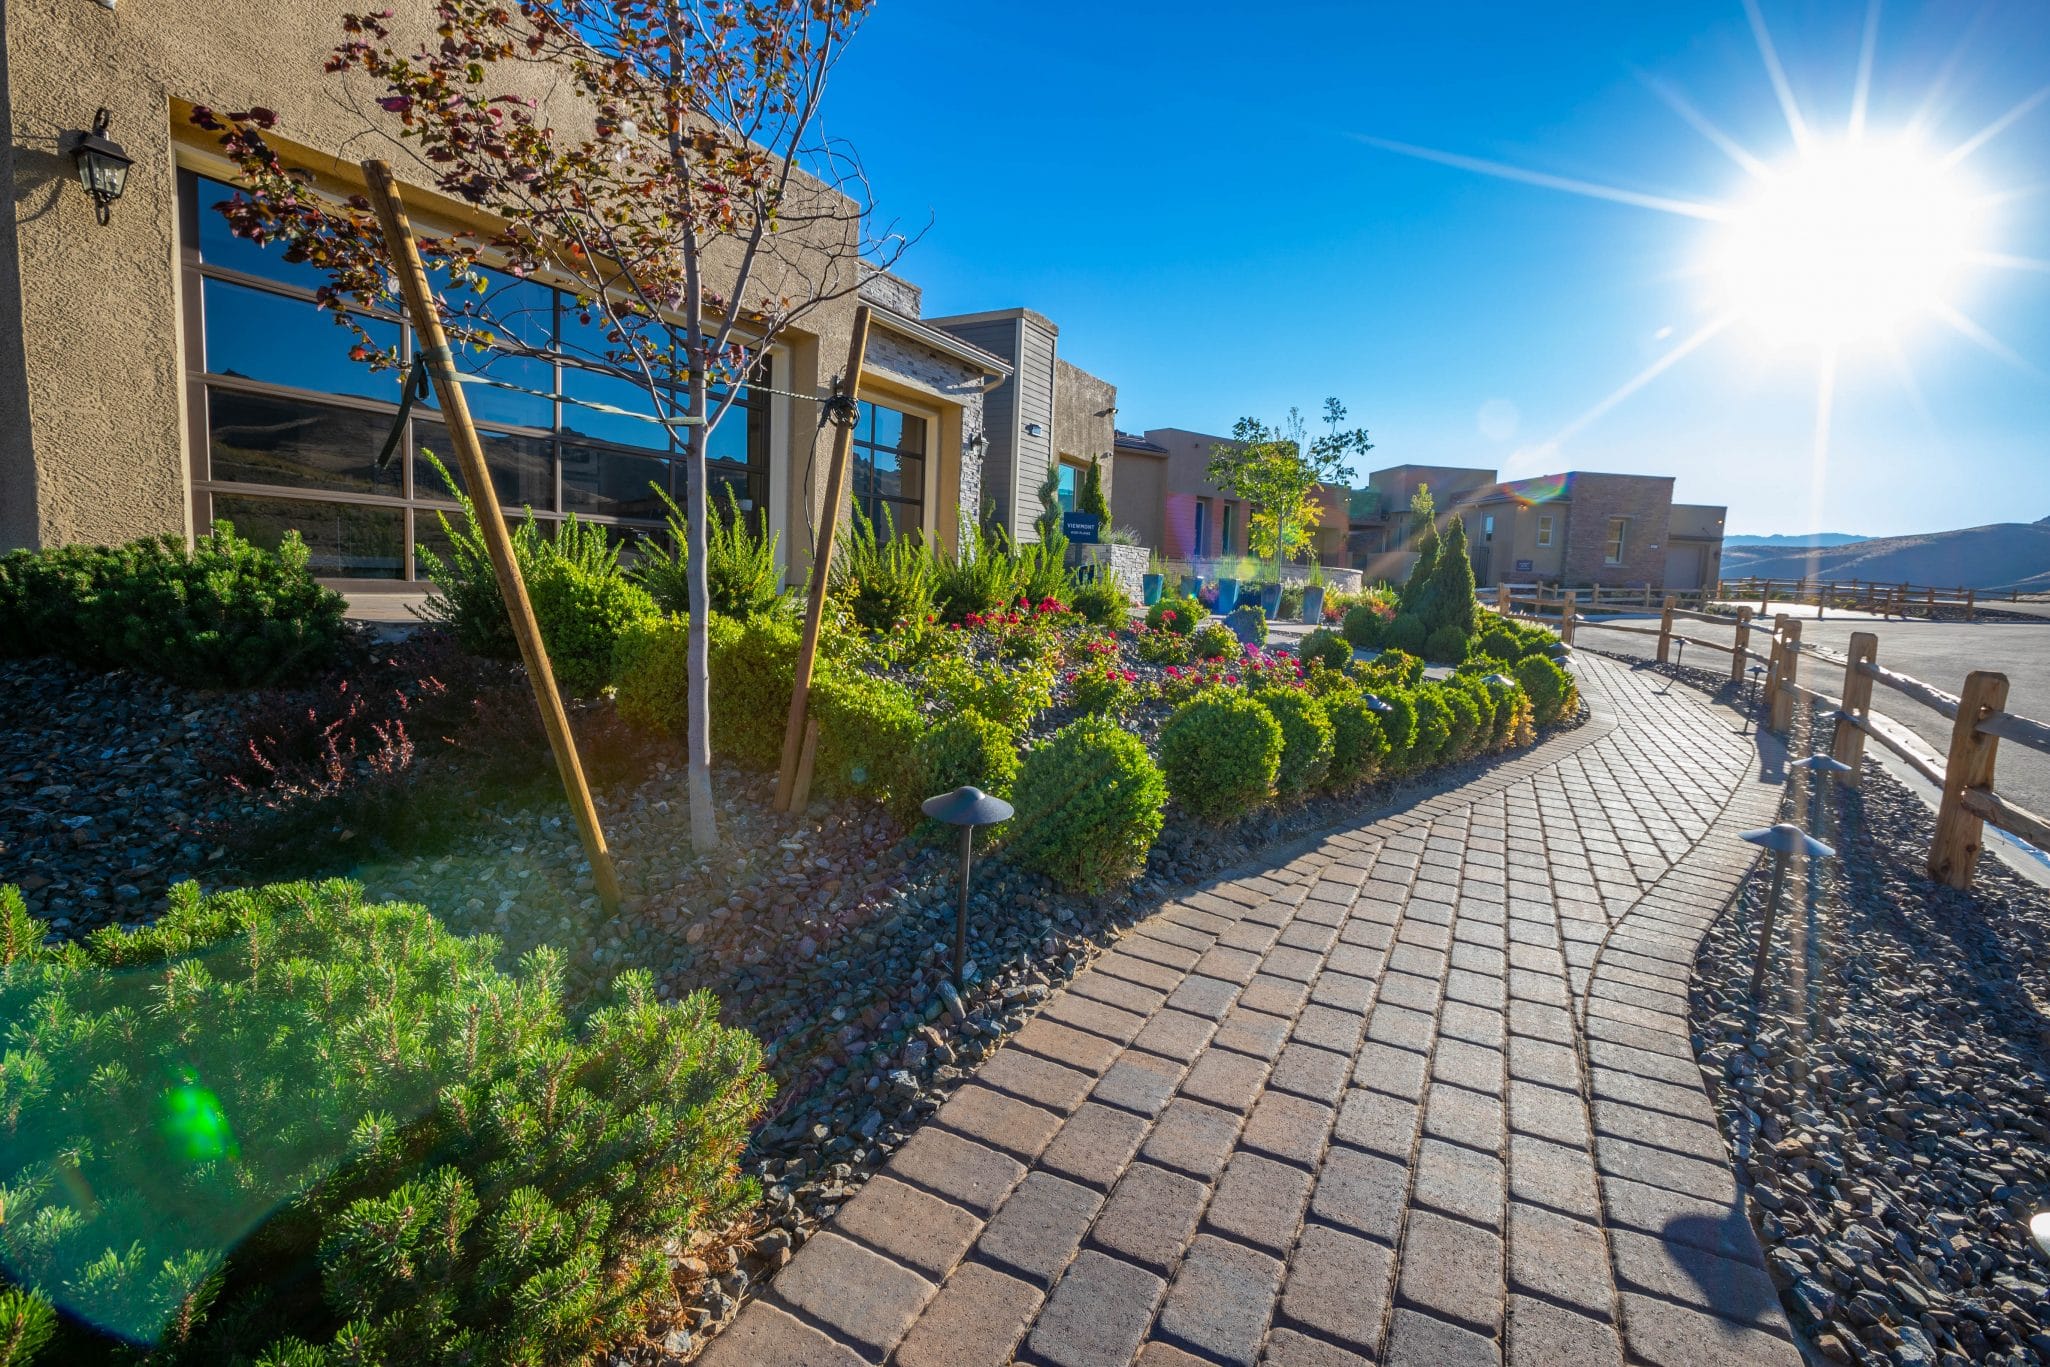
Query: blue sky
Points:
[1186, 191]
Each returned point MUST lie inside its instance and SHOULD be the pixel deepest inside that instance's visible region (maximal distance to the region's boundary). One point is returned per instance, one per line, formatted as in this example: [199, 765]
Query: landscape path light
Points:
[1784, 840]
[967, 808]
[1756, 670]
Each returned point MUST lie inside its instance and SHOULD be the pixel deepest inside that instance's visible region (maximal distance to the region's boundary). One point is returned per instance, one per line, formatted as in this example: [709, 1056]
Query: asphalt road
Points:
[1938, 653]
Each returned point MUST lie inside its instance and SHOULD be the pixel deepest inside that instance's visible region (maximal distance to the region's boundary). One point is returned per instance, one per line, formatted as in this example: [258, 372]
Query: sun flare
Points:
[1846, 244]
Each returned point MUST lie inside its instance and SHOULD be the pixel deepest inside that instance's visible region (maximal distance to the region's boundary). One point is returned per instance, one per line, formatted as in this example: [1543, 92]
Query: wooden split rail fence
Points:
[1862, 595]
[1978, 716]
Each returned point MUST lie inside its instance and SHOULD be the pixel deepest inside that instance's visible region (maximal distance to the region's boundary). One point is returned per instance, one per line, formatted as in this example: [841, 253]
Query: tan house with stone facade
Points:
[157, 373]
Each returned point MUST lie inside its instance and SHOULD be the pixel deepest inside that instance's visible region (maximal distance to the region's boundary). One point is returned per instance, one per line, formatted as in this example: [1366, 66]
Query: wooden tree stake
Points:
[1782, 715]
[1666, 629]
[1954, 852]
[821, 566]
[455, 415]
[1738, 659]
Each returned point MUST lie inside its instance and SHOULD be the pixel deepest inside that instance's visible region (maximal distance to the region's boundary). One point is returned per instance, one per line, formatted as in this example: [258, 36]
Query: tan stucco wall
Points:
[1084, 418]
[92, 402]
[1138, 497]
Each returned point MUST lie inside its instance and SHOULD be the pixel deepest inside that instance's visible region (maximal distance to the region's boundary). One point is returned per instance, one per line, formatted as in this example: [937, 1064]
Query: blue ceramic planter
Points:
[1270, 600]
[1313, 604]
[1192, 585]
[1152, 585]
[1227, 596]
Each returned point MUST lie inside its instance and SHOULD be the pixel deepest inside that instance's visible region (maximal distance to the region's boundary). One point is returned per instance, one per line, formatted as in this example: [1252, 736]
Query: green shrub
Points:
[286, 1124]
[967, 749]
[1248, 619]
[1089, 805]
[1407, 633]
[1043, 571]
[885, 579]
[1366, 625]
[1398, 724]
[651, 663]
[1160, 646]
[868, 727]
[1359, 745]
[1498, 642]
[753, 668]
[1178, 615]
[222, 614]
[1550, 687]
[741, 577]
[1221, 751]
[1433, 726]
[1103, 690]
[1392, 668]
[1010, 693]
[1445, 646]
[1305, 737]
[1214, 641]
[1450, 601]
[1290, 608]
[1466, 723]
[978, 580]
[1102, 603]
[583, 602]
[1326, 646]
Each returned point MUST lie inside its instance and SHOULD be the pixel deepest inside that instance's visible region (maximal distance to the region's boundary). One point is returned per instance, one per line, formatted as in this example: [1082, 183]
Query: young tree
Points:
[1278, 471]
[1090, 498]
[675, 183]
[1452, 584]
[1423, 534]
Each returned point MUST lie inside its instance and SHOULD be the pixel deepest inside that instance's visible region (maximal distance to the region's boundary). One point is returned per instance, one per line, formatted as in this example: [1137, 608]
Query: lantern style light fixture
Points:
[102, 166]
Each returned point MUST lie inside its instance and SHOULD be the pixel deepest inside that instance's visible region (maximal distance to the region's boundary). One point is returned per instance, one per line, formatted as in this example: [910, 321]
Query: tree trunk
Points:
[704, 819]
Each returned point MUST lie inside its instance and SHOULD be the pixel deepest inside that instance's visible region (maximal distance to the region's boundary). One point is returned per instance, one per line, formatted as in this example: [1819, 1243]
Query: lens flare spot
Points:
[194, 1126]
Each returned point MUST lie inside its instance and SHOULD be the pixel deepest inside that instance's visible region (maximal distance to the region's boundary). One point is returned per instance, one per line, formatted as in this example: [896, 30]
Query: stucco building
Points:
[157, 373]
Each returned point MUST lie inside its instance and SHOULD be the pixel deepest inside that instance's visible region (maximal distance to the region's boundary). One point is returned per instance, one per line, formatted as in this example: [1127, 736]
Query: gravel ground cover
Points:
[828, 935]
[1890, 1102]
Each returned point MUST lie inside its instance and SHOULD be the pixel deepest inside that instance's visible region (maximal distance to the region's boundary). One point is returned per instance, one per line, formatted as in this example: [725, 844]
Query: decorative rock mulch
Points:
[1891, 1107]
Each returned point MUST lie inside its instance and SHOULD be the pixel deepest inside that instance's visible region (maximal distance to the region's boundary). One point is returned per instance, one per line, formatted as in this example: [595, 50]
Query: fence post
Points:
[1971, 603]
[1849, 745]
[1955, 850]
[1666, 629]
[1502, 600]
[1782, 714]
[1566, 619]
[1764, 594]
[1737, 656]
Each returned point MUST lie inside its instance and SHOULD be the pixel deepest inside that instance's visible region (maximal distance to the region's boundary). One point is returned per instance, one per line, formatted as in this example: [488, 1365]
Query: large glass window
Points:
[285, 410]
[889, 468]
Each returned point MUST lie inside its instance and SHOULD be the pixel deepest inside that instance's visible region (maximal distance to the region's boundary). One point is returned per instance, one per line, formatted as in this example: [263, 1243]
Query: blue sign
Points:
[1081, 528]
[1525, 565]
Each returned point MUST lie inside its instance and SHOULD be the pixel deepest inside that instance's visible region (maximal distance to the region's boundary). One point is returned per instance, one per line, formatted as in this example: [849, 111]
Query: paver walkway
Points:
[1422, 1094]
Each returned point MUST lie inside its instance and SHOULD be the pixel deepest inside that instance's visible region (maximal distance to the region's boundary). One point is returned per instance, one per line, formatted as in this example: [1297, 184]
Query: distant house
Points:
[1047, 415]
[1164, 493]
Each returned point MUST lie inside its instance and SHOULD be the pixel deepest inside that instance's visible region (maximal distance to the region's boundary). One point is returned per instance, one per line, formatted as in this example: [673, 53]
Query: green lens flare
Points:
[193, 1124]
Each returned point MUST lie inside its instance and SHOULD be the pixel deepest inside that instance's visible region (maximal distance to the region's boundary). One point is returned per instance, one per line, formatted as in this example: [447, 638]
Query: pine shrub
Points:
[1090, 803]
[1550, 687]
[290, 1078]
[1359, 745]
[1221, 751]
[1446, 646]
[222, 614]
[1407, 633]
[1305, 738]
[1326, 647]
[1452, 603]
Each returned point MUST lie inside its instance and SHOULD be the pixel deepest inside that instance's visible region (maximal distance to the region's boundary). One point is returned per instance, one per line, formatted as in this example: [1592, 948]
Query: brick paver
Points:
[1419, 1092]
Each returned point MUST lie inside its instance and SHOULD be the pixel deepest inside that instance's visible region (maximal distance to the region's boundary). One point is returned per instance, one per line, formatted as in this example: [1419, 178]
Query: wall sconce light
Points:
[1033, 429]
[102, 166]
[979, 443]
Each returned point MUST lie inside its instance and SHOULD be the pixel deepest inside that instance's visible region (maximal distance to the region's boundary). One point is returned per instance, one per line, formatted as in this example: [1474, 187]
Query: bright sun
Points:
[1846, 244]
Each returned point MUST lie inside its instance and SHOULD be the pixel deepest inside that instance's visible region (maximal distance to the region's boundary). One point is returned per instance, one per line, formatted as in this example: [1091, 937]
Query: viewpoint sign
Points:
[1081, 528]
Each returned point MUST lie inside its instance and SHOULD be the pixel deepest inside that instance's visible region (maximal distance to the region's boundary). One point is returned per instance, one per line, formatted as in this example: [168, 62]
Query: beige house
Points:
[157, 373]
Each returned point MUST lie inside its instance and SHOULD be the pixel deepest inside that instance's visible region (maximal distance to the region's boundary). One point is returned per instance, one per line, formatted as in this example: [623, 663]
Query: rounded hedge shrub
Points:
[1090, 802]
[1221, 751]
[1433, 726]
[1548, 685]
[966, 749]
[1407, 633]
[1364, 627]
[1393, 668]
[752, 666]
[1358, 743]
[651, 663]
[1325, 646]
[1398, 724]
[582, 612]
[1102, 603]
[1498, 642]
[867, 728]
[1214, 641]
[1446, 646]
[1305, 737]
[1463, 718]
[1179, 615]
